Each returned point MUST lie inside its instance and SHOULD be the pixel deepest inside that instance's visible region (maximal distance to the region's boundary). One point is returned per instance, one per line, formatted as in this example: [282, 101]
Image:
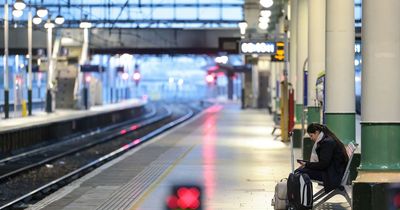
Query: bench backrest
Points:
[350, 149]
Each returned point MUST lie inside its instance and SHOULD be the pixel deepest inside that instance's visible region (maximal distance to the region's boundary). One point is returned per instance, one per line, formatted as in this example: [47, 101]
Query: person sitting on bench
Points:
[328, 158]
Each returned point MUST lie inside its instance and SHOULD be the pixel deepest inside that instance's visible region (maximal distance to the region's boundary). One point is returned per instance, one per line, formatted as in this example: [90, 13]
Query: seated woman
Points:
[328, 159]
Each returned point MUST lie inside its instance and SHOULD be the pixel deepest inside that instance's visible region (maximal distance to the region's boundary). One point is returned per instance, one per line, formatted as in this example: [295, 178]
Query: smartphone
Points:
[301, 161]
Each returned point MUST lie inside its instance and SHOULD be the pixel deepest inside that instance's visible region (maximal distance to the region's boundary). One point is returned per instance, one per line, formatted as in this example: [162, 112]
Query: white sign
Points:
[257, 47]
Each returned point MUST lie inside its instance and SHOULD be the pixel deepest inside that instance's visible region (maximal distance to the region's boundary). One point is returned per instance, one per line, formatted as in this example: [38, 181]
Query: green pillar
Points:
[313, 114]
[342, 125]
[380, 167]
[380, 146]
[298, 112]
[297, 138]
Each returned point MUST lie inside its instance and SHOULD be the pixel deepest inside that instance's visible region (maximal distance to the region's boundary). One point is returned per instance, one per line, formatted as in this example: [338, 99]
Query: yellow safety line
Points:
[159, 180]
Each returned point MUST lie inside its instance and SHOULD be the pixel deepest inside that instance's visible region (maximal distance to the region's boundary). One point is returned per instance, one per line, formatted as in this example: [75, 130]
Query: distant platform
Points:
[40, 117]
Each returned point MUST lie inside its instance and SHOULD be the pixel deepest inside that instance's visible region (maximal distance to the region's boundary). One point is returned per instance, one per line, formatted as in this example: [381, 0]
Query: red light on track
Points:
[134, 127]
[136, 141]
[123, 131]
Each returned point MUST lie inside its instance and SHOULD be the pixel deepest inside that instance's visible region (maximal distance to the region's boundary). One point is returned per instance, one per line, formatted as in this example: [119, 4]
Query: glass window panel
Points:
[186, 1]
[163, 13]
[75, 13]
[232, 13]
[209, 1]
[209, 13]
[357, 1]
[163, 1]
[97, 12]
[115, 12]
[140, 14]
[186, 13]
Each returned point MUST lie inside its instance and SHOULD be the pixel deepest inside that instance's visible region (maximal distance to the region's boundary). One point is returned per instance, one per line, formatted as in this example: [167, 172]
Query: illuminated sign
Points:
[257, 47]
[280, 52]
[357, 48]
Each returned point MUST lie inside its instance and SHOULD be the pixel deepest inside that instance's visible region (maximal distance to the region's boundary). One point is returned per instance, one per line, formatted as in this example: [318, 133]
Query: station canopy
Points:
[140, 13]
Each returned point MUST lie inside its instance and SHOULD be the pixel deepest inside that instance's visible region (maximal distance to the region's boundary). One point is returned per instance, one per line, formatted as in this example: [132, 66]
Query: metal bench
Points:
[321, 196]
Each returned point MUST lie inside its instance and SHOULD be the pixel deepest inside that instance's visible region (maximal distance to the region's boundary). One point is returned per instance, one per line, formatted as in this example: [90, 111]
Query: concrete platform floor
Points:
[230, 153]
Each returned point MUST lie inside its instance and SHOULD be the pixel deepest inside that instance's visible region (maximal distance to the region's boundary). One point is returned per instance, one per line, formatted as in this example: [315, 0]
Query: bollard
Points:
[24, 109]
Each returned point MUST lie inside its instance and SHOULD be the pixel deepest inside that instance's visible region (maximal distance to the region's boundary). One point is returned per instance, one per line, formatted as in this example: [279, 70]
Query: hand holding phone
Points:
[302, 162]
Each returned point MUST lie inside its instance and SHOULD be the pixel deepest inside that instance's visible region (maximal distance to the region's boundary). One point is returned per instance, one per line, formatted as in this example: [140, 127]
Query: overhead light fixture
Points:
[42, 12]
[263, 26]
[242, 27]
[36, 20]
[263, 19]
[49, 25]
[266, 3]
[265, 13]
[85, 24]
[19, 5]
[59, 20]
[17, 13]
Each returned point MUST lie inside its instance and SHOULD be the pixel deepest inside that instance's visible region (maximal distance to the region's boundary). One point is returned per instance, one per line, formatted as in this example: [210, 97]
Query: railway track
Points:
[32, 176]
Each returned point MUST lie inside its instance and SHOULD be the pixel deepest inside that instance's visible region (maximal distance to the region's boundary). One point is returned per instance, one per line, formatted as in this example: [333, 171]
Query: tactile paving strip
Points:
[126, 196]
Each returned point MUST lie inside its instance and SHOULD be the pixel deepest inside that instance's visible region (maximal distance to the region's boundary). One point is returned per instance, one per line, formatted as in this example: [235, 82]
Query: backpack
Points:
[280, 202]
[299, 191]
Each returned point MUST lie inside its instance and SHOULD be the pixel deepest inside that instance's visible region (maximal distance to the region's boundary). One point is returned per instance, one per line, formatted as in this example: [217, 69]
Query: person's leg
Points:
[313, 174]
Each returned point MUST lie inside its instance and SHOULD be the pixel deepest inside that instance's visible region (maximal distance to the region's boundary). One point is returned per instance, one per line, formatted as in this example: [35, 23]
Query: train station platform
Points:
[41, 117]
[18, 135]
[227, 152]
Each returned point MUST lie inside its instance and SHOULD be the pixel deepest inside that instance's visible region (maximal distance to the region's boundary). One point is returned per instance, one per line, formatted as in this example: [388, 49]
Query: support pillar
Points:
[273, 87]
[49, 92]
[293, 71]
[6, 87]
[339, 77]
[301, 56]
[229, 75]
[316, 63]
[380, 129]
[30, 62]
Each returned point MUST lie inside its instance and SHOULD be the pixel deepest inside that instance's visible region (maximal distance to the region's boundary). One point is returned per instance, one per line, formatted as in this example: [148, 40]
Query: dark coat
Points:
[332, 162]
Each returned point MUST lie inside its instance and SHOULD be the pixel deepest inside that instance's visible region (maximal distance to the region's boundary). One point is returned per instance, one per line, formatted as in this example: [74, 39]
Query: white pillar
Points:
[340, 57]
[30, 50]
[340, 33]
[316, 47]
[381, 61]
[273, 85]
[302, 47]
[254, 81]
[6, 46]
[293, 43]
[49, 58]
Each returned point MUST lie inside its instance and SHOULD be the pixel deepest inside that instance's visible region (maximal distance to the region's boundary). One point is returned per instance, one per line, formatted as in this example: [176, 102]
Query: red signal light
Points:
[88, 78]
[136, 76]
[210, 78]
[185, 198]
